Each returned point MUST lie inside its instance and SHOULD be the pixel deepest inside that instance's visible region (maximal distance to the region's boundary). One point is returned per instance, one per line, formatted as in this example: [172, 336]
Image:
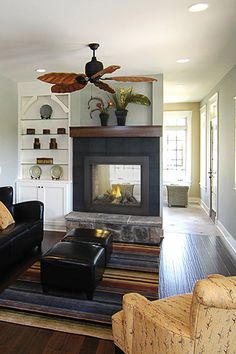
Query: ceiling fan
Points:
[69, 82]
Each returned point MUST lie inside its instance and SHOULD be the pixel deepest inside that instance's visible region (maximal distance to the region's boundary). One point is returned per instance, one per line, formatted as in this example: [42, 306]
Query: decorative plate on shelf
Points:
[56, 171]
[45, 111]
[35, 172]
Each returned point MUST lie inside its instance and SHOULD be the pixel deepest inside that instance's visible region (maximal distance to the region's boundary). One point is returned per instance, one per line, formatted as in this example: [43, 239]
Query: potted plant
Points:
[102, 107]
[122, 97]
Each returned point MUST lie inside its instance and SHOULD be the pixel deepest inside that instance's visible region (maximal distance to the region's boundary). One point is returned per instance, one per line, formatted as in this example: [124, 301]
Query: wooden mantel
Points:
[141, 131]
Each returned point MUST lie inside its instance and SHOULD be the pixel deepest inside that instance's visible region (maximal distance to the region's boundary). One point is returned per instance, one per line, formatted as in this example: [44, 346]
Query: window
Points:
[177, 147]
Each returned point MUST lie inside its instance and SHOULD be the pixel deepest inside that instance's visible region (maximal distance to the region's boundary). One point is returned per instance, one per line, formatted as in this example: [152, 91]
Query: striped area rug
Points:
[132, 268]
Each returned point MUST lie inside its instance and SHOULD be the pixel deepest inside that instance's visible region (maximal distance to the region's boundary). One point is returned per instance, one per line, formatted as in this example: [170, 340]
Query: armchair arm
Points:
[152, 329]
[143, 320]
[28, 211]
[216, 291]
[130, 302]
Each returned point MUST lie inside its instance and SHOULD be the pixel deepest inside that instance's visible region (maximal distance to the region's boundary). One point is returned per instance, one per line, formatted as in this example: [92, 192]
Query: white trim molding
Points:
[204, 207]
[230, 240]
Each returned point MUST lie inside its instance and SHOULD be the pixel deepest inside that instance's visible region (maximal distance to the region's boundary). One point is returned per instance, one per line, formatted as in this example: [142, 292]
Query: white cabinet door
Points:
[26, 192]
[55, 200]
[56, 197]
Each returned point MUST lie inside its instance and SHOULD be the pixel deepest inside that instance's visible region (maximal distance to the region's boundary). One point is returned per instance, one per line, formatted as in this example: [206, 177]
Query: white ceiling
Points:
[143, 37]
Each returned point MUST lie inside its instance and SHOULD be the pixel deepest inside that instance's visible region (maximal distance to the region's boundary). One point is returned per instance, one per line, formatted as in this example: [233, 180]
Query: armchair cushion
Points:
[6, 218]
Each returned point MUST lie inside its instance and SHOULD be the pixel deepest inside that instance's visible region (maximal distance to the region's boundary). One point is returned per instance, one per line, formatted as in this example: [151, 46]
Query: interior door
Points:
[213, 111]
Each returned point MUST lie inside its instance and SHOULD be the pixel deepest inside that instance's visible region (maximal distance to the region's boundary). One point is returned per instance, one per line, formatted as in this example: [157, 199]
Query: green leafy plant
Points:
[123, 96]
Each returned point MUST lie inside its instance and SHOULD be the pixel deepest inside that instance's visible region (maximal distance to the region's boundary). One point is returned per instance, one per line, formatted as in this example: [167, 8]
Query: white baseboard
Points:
[204, 207]
[54, 226]
[230, 240]
[193, 200]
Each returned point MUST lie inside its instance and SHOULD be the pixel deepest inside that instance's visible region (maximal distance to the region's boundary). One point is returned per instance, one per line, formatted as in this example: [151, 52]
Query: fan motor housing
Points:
[92, 67]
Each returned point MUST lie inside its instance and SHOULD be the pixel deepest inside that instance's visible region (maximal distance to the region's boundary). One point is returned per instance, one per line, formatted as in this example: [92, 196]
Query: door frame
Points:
[213, 100]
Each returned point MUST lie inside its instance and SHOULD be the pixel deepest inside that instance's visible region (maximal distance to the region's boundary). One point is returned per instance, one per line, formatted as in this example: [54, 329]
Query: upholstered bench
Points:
[71, 266]
[97, 237]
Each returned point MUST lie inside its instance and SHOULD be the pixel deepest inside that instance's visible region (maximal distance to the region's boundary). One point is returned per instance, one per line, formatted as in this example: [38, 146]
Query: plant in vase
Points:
[102, 107]
[122, 97]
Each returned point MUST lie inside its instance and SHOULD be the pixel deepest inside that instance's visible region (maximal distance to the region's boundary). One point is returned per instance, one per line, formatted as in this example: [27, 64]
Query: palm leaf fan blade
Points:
[59, 78]
[110, 69]
[62, 88]
[104, 86]
[131, 78]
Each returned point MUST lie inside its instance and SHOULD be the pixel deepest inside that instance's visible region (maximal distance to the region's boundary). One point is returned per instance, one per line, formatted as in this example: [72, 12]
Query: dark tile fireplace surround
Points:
[118, 145]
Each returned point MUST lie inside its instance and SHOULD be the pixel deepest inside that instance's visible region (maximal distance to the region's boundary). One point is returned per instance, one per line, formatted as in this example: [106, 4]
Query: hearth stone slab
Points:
[125, 228]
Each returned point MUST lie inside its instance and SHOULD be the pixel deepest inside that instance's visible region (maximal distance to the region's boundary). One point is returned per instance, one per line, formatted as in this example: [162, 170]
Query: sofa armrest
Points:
[216, 291]
[28, 211]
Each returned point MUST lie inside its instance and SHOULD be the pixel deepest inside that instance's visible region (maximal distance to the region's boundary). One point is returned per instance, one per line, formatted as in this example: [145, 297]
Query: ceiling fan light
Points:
[40, 70]
[198, 7]
[183, 60]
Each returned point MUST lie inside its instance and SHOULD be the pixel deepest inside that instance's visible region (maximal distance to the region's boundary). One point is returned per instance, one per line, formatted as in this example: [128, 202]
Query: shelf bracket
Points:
[63, 106]
[26, 106]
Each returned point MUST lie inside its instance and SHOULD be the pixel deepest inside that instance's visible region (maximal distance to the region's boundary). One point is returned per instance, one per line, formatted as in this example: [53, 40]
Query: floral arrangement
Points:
[123, 96]
[100, 106]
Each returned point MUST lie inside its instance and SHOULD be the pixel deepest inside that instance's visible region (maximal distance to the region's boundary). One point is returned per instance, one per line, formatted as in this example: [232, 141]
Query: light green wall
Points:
[195, 124]
[8, 132]
[226, 89]
[137, 114]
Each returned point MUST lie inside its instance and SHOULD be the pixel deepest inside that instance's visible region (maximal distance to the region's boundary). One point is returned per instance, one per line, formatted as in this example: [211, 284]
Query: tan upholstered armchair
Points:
[201, 323]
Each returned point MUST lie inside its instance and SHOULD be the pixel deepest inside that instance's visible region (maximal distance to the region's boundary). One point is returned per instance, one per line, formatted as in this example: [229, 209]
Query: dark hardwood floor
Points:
[184, 259]
[17, 339]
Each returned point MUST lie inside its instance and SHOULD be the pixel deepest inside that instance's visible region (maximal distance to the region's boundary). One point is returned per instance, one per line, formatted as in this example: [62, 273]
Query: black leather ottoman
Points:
[98, 237]
[73, 266]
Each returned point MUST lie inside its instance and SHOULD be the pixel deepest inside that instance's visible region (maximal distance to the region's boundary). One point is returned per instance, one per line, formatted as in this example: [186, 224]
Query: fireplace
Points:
[116, 170]
[117, 184]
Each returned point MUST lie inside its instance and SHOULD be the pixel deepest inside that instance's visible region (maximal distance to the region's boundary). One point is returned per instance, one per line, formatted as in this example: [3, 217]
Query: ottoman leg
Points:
[89, 294]
[45, 289]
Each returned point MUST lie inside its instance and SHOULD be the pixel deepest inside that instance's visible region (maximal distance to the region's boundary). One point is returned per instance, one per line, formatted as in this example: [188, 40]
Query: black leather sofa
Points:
[20, 238]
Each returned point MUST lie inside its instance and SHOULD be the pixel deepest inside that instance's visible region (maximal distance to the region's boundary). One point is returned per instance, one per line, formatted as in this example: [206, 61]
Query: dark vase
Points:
[36, 143]
[104, 118]
[121, 116]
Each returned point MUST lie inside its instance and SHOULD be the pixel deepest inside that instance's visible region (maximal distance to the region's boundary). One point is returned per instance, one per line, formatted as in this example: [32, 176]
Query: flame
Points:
[116, 190]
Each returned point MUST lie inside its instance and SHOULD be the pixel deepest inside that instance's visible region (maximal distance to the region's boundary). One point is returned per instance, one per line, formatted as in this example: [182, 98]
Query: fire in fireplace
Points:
[117, 184]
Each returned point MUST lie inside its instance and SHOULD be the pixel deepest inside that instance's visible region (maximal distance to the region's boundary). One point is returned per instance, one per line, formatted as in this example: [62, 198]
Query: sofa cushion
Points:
[6, 218]
[12, 231]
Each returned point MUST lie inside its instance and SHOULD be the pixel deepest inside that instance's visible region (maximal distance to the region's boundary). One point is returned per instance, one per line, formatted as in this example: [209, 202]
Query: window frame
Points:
[188, 150]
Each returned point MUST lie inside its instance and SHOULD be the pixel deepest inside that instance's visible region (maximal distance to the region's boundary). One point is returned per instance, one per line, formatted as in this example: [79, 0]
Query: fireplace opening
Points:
[117, 184]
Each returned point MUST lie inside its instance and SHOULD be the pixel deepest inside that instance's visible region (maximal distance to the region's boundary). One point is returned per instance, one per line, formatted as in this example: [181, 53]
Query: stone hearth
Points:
[125, 228]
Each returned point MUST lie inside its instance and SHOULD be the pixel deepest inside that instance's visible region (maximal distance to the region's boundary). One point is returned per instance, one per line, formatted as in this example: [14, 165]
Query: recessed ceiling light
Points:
[40, 70]
[198, 7]
[180, 85]
[182, 60]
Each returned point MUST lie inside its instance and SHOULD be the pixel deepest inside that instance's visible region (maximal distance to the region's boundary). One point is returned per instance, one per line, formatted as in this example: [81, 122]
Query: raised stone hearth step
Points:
[126, 228]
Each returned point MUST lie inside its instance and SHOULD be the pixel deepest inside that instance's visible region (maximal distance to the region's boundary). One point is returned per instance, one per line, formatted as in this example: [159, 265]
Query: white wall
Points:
[226, 89]
[137, 114]
[8, 132]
